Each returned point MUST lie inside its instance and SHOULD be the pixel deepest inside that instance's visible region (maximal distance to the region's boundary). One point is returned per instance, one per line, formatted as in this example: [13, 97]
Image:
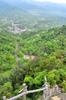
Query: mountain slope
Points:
[46, 52]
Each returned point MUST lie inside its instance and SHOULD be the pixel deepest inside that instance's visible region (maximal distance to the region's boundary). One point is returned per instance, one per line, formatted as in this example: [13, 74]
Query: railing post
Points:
[4, 97]
[24, 90]
[46, 91]
[43, 97]
[56, 90]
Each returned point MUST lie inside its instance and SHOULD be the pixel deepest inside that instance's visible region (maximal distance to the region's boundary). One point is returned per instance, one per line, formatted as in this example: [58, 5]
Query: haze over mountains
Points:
[31, 14]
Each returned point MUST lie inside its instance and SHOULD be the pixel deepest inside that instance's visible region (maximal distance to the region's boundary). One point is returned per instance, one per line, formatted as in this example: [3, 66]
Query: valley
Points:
[31, 16]
[32, 46]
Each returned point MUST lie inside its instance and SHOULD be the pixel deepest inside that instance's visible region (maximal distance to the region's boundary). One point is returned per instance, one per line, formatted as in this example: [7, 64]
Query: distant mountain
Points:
[46, 7]
[5, 8]
[4, 5]
[34, 14]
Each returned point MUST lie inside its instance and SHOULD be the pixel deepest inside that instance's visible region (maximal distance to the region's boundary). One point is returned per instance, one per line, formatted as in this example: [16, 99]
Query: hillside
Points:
[30, 56]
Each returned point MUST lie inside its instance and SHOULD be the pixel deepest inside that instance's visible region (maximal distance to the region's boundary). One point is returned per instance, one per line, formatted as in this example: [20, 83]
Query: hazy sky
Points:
[56, 1]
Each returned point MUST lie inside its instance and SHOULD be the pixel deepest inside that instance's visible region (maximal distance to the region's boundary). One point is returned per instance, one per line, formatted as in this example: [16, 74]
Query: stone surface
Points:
[55, 98]
[61, 96]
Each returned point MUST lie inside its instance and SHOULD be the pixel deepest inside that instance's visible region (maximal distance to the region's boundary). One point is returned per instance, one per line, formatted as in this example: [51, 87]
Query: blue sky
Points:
[55, 1]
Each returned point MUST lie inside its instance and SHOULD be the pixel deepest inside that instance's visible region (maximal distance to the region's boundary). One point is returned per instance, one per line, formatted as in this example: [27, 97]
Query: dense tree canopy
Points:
[30, 57]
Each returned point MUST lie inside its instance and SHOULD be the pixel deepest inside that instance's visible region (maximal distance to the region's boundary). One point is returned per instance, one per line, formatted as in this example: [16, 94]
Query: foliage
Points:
[29, 58]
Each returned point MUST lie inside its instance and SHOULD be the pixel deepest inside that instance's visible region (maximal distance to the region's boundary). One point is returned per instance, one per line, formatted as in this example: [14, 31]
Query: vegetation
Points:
[28, 57]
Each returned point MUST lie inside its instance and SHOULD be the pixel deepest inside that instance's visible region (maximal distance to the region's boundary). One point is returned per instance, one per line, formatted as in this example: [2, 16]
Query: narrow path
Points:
[16, 54]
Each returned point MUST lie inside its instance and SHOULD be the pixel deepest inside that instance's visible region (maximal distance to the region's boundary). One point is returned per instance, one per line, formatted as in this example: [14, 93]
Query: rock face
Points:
[28, 57]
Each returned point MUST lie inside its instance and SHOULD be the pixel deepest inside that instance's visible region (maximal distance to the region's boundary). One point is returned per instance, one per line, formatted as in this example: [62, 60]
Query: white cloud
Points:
[55, 1]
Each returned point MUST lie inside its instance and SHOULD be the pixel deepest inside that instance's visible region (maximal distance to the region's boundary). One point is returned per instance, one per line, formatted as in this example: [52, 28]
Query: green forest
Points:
[29, 57]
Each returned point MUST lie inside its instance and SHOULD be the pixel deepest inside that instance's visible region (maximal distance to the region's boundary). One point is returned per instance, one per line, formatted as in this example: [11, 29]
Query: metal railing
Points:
[47, 92]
